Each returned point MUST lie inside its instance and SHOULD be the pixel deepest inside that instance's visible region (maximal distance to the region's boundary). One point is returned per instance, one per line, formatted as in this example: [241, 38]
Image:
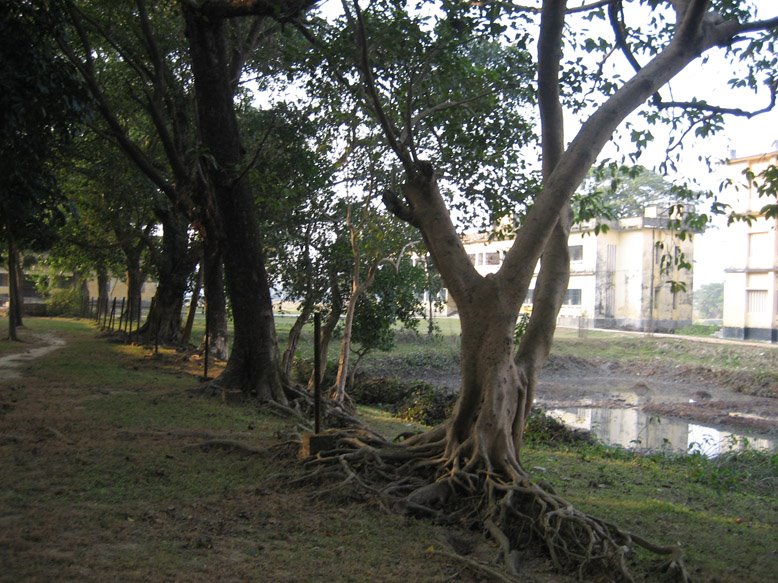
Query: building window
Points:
[756, 300]
[4, 279]
[576, 252]
[472, 258]
[530, 294]
[573, 297]
[758, 250]
[492, 258]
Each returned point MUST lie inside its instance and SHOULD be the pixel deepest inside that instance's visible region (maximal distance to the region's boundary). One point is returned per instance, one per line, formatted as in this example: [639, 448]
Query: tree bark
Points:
[186, 336]
[253, 364]
[287, 358]
[102, 289]
[215, 298]
[174, 266]
[339, 390]
[18, 311]
[13, 290]
[358, 287]
[134, 285]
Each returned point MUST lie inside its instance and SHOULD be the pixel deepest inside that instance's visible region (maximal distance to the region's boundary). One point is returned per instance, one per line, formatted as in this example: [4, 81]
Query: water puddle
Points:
[633, 429]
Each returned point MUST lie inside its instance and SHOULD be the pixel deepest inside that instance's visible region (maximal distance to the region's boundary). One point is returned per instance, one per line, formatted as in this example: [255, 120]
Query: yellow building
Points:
[616, 278]
[751, 274]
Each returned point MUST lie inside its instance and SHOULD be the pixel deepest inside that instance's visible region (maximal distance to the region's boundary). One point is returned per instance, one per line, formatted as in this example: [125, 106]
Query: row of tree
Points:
[422, 108]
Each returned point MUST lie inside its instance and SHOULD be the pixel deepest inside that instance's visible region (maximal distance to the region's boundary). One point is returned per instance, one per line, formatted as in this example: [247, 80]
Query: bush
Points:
[302, 369]
[698, 330]
[414, 401]
[425, 404]
[380, 391]
[65, 302]
[542, 428]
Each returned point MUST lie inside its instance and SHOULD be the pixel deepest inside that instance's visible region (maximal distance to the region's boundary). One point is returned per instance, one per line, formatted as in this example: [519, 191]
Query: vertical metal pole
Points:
[207, 342]
[316, 373]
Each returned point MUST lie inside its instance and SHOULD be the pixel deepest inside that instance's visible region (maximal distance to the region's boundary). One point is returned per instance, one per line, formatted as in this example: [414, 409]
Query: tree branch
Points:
[370, 87]
[86, 70]
[156, 99]
[549, 102]
[758, 25]
[281, 10]
[715, 109]
[616, 18]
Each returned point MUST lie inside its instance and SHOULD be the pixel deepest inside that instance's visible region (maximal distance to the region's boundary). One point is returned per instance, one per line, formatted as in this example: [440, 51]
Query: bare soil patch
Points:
[737, 398]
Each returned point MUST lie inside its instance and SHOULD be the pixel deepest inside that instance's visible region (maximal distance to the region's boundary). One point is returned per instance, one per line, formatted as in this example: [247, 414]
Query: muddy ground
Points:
[730, 400]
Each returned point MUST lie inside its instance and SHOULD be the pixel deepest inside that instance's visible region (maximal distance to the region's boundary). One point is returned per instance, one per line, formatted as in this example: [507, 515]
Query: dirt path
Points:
[11, 363]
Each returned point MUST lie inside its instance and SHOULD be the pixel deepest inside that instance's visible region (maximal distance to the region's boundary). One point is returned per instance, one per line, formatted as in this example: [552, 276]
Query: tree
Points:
[253, 366]
[625, 191]
[393, 298]
[373, 239]
[709, 301]
[40, 103]
[476, 454]
[132, 59]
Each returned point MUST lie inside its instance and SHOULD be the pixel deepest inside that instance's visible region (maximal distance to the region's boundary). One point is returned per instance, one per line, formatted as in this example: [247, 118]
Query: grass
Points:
[105, 478]
[722, 512]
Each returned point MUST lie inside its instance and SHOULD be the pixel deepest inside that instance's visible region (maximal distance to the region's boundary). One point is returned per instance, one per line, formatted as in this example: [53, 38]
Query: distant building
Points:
[751, 276]
[35, 303]
[616, 278]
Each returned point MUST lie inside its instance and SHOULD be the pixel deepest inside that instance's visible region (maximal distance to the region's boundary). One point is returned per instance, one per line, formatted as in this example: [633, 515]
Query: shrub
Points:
[380, 391]
[426, 404]
[64, 302]
[542, 428]
[302, 369]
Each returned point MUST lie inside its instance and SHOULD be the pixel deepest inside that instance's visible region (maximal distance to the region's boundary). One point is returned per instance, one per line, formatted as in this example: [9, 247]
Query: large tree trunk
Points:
[215, 299]
[253, 364]
[186, 336]
[102, 290]
[14, 295]
[174, 266]
[489, 411]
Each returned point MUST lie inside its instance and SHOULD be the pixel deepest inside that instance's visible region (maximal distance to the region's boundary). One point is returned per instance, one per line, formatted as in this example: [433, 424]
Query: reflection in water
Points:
[631, 428]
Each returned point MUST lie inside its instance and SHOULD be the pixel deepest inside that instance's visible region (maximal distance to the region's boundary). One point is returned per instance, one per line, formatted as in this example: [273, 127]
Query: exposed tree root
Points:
[417, 477]
[475, 565]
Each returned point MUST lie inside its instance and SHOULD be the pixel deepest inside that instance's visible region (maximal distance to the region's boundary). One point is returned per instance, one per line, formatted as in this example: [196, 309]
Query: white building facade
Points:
[617, 278]
[751, 274]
